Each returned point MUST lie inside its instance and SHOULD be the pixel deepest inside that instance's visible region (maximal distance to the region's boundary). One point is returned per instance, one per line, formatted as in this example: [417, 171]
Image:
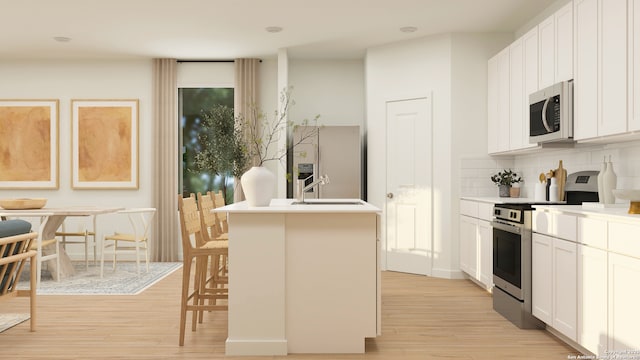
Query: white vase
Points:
[258, 185]
[609, 183]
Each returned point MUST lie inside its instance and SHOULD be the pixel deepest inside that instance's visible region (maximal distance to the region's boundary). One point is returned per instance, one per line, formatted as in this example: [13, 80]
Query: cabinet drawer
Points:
[541, 222]
[469, 208]
[565, 226]
[592, 232]
[623, 239]
[485, 211]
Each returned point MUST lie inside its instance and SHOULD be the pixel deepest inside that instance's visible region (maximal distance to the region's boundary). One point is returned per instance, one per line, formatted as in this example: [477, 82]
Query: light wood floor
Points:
[422, 318]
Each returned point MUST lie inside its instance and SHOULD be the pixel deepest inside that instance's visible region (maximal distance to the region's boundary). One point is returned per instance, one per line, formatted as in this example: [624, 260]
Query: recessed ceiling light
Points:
[62, 39]
[273, 29]
[408, 29]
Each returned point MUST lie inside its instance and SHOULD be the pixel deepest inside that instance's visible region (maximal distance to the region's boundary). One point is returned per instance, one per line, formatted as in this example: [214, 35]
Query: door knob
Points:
[390, 195]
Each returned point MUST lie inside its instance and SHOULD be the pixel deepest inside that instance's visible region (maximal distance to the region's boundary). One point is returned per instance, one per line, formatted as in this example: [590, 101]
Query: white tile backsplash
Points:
[475, 171]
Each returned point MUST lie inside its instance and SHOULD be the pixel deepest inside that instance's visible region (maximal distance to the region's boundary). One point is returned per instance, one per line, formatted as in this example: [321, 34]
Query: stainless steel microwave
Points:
[551, 114]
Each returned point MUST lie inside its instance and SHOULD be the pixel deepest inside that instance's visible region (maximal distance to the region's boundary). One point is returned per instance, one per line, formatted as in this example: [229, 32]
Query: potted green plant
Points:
[223, 151]
[242, 145]
[505, 179]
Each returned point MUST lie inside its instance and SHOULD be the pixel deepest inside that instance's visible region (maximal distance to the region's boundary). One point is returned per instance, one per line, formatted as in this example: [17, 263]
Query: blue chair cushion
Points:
[12, 228]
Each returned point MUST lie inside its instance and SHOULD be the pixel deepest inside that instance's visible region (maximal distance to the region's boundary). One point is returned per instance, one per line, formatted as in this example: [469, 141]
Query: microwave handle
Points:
[544, 115]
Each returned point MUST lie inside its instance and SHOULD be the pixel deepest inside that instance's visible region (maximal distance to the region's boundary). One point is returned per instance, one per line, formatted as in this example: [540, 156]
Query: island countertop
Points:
[312, 206]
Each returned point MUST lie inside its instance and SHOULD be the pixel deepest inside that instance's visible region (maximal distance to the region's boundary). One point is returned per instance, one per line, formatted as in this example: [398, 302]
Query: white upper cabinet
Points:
[563, 20]
[531, 71]
[498, 97]
[556, 47]
[600, 86]
[546, 52]
[516, 78]
[613, 68]
[634, 68]
[492, 105]
[503, 101]
[524, 81]
[585, 85]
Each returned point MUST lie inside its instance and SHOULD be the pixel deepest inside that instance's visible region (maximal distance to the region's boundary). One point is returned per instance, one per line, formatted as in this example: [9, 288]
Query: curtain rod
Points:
[207, 61]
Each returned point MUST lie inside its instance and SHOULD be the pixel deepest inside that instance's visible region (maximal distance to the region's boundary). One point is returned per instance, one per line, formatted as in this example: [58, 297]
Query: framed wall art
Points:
[29, 144]
[104, 151]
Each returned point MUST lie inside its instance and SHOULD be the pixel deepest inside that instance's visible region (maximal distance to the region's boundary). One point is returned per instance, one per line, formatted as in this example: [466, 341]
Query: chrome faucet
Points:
[323, 180]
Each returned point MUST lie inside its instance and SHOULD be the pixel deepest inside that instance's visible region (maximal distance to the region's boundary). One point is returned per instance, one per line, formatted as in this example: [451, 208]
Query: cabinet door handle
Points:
[390, 195]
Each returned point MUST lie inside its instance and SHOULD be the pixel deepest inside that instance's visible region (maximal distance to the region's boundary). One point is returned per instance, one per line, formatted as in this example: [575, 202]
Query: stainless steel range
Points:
[512, 250]
[512, 264]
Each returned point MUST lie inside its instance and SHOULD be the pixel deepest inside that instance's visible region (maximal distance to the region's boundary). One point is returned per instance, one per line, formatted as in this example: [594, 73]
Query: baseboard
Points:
[255, 347]
[448, 274]
[569, 342]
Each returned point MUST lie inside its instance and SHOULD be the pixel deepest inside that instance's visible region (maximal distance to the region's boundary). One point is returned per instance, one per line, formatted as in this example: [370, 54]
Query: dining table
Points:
[50, 220]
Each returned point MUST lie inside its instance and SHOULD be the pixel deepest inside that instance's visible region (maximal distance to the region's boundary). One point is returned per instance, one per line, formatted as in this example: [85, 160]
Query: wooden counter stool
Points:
[199, 250]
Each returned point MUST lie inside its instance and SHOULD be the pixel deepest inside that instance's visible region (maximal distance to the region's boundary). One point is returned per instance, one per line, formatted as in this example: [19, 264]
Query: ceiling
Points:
[227, 29]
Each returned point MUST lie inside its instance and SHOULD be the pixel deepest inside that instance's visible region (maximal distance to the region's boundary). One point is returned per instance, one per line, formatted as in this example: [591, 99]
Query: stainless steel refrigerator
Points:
[333, 150]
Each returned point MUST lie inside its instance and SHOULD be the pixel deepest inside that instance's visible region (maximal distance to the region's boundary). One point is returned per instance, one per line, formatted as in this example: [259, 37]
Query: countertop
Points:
[504, 200]
[316, 206]
[614, 211]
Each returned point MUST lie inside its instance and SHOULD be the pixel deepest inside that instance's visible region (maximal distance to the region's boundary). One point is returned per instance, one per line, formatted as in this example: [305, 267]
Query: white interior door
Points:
[408, 245]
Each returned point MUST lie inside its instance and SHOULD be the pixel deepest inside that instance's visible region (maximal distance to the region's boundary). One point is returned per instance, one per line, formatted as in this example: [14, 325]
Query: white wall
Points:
[80, 79]
[450, 68]
[408, 70]
[109, 79]
[333, 89]
[469, 54]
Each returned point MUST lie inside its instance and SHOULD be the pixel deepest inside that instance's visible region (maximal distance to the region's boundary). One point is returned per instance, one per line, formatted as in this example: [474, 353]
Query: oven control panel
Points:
[513, 215]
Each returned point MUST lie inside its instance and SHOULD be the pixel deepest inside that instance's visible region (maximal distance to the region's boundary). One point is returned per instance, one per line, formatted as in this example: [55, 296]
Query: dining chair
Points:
[16, 239]
[196, 249]
[46, 249]
[84, 234]
[132, 241]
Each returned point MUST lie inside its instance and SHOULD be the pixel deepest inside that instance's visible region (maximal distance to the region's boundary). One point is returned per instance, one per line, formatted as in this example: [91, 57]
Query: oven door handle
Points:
[505, 227]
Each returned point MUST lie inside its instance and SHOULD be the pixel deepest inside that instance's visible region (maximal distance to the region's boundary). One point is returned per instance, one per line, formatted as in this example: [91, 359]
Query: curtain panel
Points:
[165, 246]
[245, 99]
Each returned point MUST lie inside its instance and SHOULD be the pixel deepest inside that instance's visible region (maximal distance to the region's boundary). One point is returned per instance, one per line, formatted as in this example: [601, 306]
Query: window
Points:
[191, 103]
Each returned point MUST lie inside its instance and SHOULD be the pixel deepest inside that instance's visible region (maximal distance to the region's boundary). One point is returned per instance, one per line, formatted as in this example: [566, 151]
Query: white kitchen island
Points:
[302, 278]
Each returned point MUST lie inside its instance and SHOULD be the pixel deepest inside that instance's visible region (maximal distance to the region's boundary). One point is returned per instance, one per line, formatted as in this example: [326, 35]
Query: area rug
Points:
[123, 281]
[7, 321]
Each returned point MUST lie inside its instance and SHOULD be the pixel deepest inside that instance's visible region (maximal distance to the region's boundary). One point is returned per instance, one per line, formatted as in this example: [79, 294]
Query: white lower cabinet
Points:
[468, 245]
[476, 241]
[565, 287]
[624, 317]
[554, 281]
[587, 289]
[592, 299]
[485, 232]
[542, 277]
